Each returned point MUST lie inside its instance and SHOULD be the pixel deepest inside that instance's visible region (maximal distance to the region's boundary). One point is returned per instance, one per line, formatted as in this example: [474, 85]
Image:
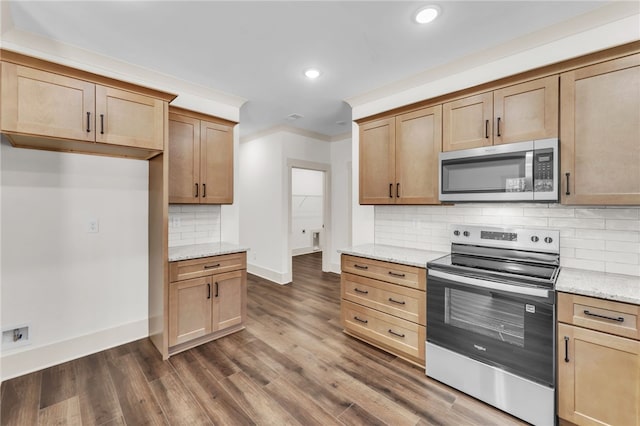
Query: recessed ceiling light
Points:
[427, 14]
[312, 73]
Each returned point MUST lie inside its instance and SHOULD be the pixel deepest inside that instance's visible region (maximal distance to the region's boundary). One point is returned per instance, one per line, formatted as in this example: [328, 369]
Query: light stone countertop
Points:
[622, 288]
[195, 251]
[402, 255]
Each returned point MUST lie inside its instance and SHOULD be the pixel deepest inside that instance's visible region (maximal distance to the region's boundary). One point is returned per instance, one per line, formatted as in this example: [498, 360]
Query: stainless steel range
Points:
[491, 318]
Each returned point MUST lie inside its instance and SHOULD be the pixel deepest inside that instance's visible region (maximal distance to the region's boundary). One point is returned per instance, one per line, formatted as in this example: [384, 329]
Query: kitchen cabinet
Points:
[516, 113]
[600, 133]
[47, 110]
[399, 158]
[598, 361]
[384, 304]
[200, 158]
[207, 299]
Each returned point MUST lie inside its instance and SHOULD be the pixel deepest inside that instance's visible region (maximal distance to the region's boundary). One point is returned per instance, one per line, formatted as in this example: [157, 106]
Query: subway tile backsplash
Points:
[193, 224]
[596, 238]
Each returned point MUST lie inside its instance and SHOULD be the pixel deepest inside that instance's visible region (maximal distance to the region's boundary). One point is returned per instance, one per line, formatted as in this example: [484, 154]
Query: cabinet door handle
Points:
[102, 124]
[395, 274]
[204, 190]
[357, 290]
[217, 265]
[399, 302]
[498, 130]
[396, 334]
[208, 290]
[363, 267]
[390, 190]
[217, 288]
[196, 196]
[486, 129]
[398, 190]
[568, 192]
[591, 314]
[88, 122]
[566, 349]
[360, 320]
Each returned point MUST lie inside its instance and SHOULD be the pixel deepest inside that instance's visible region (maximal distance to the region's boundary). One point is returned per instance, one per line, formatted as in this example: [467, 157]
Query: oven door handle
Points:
[491, 285]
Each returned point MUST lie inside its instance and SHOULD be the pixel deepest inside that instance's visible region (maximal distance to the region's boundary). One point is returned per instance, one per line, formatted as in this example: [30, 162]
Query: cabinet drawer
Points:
[187, 269]
[397, 335]
[409, 276]
[396, 300]
[622, 319]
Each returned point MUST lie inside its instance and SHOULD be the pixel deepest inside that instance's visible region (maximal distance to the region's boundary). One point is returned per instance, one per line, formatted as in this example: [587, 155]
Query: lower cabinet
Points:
[210, 305]
[384, 304]
[598, 361]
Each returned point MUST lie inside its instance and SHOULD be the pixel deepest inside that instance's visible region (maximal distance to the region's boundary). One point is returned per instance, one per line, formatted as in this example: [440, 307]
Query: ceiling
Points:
[259, 50]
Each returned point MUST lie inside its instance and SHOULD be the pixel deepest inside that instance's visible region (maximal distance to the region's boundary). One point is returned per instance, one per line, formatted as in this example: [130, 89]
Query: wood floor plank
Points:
[152, 366]
[65, 412]
[356, 416]
[21, 400]
[214, 360]
[250, 363]
[136, 399]
[97, 396]
[177, 403]
[58, 384]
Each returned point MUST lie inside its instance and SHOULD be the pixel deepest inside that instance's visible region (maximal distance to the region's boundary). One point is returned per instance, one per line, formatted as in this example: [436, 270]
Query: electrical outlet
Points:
[175, 222]
[14, 337]
[93, 226]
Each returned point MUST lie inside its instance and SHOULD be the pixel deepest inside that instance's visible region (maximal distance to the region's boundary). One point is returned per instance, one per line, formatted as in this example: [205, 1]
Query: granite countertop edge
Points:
[197, 251]
[603, 285]
[394, 254]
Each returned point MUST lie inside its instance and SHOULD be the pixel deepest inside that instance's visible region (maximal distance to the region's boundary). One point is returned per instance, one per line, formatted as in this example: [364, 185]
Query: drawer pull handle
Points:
[360, 320]
[395, 274]
[360, 266]
[399, 302]
[217, 265]
[357, 290]
[396, 334]
[591, 314]
[566, 349]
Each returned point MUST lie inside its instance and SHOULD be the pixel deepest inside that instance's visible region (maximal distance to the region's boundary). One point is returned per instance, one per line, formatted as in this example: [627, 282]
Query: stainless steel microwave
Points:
[522, 171]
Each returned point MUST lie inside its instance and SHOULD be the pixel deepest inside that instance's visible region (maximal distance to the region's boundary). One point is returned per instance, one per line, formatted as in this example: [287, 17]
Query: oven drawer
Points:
[409, 276]
[187, 269]
[399, 336]
[622, 319]
[396, 300]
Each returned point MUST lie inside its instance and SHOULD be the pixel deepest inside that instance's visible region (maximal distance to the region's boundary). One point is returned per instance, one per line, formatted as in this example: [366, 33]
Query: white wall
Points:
[79, 292]
[340, 202]
[306, 209]
[230, 213]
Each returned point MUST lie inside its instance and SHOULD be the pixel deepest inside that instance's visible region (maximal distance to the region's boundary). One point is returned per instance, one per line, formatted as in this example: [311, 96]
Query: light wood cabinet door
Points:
[184, 159]
[129, 119]
[41, 103]
[598, 377]
[600, 133]
[229, 299]
[216, 163]
[526, 111]
[467, 122]
[190, 303]
[418, 143]
[377, 162]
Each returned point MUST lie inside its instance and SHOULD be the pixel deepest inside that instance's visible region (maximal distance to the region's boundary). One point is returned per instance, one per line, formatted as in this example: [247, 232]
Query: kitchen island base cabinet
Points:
[210, 305]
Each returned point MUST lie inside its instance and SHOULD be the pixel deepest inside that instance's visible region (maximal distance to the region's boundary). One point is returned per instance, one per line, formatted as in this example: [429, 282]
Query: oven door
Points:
[504, 325]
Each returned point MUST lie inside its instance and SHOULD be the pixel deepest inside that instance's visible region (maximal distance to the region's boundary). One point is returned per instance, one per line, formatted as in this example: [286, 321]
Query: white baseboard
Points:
[18, 363]
[335, 268]
[303, 250]
[268, 274]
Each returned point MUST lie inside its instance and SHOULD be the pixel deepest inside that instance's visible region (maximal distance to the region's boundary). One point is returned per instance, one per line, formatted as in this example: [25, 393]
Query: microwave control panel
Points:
[543, 171]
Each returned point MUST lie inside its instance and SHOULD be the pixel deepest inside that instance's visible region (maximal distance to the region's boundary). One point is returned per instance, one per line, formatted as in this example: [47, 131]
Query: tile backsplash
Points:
[193, 224]
[595, 238]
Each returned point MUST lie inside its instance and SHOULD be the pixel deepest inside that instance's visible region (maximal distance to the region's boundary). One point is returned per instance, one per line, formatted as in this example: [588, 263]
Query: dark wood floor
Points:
[292, 365]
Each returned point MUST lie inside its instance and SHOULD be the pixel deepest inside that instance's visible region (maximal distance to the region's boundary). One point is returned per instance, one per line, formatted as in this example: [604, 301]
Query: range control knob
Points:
[548, 240]
[456, 232]
[535, 239]
[466, 233]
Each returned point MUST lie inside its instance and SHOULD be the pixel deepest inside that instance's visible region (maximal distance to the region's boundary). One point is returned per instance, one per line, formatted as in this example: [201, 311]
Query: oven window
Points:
[489, 315]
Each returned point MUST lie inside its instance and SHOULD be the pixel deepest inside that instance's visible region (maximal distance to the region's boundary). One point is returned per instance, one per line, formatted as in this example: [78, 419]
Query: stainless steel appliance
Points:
[523, 171]
[491, 316]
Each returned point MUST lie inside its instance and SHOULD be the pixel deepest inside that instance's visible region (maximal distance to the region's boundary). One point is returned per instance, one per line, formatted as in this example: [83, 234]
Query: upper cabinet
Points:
[51, 108]
[600, 133]
[200, 158]
[399, 158]
[515, 113]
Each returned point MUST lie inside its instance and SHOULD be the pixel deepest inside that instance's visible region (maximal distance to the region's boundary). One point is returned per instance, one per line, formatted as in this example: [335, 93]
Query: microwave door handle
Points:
[528, 171]
[491, 285]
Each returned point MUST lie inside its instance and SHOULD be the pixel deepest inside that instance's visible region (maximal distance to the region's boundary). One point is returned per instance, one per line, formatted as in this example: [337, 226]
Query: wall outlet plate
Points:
[17, 336]
[93, 226]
